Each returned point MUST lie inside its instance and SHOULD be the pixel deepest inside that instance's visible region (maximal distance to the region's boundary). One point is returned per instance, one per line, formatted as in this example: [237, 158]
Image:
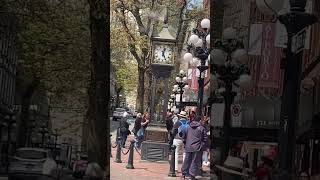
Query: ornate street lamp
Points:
[43, 131]
[198, 53]
[180, 87]
[294, 21]
[229, 66]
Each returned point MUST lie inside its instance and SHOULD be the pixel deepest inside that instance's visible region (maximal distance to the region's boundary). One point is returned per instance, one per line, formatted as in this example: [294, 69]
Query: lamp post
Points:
[43, 131]
[31, 126]
[9, 122]
[198, 53]
[294, 21]
[180, 86]
[229, 67]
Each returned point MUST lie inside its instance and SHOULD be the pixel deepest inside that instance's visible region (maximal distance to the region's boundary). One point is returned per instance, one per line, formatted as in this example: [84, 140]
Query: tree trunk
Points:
[140, 89]
[98, 124]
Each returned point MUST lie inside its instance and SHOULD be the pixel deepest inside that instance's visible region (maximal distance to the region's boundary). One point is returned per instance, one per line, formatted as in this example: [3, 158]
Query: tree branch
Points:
[181, 20]
[124, 23]
[133, 51]
[136, 13]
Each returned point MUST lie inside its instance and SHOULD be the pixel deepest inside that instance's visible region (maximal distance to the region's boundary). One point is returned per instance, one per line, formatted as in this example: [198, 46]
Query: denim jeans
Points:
[191, 163]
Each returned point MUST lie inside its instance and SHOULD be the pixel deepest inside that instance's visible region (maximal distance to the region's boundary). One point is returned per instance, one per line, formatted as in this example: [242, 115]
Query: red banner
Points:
[194, 79]
[270, 73]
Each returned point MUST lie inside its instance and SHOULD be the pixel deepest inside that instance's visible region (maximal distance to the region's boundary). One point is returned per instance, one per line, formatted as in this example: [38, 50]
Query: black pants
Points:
[123, 139]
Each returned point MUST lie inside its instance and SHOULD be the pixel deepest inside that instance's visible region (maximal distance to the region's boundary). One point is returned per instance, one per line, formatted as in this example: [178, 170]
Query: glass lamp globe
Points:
[184, 79]
[193, 39]
[240, 55]
[186, 86]
[178, 79]
[245, 81]
[14, 125]
[219, 56]
[181, 72]
[187, 57]
[175, 87]
[208, 39]
[229, 33]
[194, 62]
[205, 23]
[199, 43]
[207, 63]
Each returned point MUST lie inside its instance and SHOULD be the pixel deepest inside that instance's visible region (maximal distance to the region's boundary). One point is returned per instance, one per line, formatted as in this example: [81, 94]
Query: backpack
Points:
[182, 130]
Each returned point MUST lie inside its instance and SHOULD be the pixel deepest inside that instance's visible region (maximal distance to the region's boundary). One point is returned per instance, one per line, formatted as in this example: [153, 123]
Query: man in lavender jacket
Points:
[195, 142]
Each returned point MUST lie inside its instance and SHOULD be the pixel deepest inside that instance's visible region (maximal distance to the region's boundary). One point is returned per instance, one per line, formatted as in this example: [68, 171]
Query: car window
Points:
[120, 109]
[31, 154]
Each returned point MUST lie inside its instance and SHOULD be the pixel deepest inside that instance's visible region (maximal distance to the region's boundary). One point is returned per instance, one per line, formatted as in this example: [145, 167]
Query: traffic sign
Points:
[298, 41]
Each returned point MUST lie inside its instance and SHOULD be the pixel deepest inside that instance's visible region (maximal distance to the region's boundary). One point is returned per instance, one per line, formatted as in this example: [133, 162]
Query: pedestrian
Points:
[169, 123]
[136, 127]
[264, 170]
[175, 117]
[232, 169]
[195, 142]
[124, 130]
[205, 155]
[193, 114]
[178, 135]
[143, 126]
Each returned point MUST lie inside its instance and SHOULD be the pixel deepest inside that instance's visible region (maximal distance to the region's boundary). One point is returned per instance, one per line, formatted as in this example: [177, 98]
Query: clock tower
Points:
[155, 146]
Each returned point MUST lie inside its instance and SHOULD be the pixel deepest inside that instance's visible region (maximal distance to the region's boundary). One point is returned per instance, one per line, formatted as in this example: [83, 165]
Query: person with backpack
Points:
[195, 142]
[178, 135]
[124, 130]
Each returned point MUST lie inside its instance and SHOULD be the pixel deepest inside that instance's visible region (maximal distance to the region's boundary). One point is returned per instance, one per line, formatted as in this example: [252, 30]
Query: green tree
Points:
[54, 52]
[139, 19]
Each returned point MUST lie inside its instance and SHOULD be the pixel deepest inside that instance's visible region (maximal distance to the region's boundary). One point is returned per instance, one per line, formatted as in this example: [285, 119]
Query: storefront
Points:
[256, 120]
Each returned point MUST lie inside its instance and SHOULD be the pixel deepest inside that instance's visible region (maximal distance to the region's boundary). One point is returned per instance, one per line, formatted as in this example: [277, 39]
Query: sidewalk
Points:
[143, 170]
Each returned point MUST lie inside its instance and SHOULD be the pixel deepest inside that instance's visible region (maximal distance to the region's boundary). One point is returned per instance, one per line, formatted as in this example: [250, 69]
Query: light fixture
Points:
[193, 39]
[205, 24]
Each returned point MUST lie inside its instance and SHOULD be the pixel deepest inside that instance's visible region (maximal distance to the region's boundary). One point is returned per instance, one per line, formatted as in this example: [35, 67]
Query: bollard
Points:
[118, 155]
[130, 159]
[172, 172]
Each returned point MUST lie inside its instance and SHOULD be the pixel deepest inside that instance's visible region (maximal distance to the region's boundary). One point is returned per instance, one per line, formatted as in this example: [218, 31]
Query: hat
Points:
[269, 156]
[233, 165]
[183, 114]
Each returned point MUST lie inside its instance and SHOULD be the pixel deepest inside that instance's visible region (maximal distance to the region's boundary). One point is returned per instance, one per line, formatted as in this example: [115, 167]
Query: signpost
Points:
[298, 41]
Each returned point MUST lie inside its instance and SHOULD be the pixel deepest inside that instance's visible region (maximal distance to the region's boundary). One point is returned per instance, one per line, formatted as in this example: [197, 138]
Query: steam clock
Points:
[155, 146]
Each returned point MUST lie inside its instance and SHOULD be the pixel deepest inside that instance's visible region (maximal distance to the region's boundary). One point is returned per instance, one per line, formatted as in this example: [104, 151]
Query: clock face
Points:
[163, 53]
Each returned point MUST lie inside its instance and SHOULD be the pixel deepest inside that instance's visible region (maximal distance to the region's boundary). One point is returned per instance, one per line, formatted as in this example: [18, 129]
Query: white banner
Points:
[217, 115]
[255, 41]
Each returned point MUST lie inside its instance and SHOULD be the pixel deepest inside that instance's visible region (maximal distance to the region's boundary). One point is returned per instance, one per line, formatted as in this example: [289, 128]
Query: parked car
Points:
[118, 114]
[34, 161]
[80, 166]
